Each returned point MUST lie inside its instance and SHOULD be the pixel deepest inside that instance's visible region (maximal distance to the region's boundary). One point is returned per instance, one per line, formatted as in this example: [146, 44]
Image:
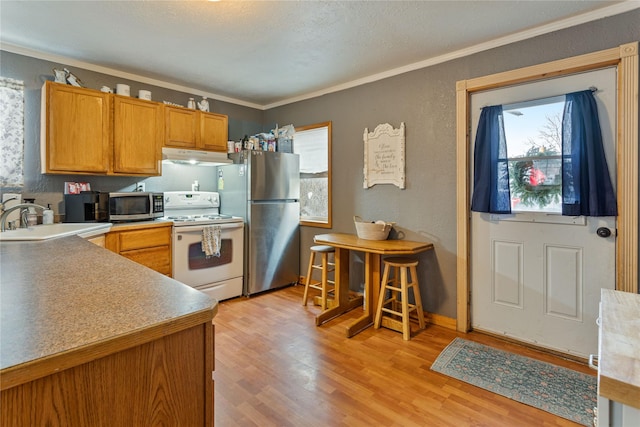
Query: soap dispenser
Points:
[47, 215]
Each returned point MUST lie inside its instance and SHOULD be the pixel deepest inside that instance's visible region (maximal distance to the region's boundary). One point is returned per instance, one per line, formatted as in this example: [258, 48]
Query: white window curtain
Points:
[11, 132]
[311, 145]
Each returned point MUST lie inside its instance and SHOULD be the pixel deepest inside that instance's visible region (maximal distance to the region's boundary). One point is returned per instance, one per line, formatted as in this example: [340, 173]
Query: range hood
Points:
[194, 157]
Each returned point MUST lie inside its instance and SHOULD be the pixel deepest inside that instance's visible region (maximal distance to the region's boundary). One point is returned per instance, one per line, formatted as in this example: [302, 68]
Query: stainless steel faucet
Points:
[4, 202]
[5, 214]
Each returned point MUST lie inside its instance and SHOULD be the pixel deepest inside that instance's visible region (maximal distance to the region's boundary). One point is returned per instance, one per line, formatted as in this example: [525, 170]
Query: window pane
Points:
[313, 198]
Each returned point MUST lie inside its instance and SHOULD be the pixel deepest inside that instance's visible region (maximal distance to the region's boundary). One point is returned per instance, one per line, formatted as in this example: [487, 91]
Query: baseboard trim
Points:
[440, 320]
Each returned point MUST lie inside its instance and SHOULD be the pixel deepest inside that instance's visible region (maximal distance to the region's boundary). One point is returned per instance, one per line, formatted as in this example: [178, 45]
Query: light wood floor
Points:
[274, 367]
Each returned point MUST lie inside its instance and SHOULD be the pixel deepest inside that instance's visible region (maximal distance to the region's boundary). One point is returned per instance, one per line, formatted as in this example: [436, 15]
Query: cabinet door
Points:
[147, 246]
[76, 130]
[181, 127]
[137, 136]
[213, 132]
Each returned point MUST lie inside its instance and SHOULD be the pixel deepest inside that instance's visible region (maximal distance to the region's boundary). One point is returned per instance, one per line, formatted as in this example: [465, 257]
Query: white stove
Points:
[220, 276]
[195, 208]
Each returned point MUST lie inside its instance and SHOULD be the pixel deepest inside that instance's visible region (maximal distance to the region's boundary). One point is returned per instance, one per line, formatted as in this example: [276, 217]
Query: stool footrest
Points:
[318, 287]
[390, 323]
[319, 267]
[317, 300]
[398, 313]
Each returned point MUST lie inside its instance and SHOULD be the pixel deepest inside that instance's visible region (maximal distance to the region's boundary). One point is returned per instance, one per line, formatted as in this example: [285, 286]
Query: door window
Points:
[533, 133]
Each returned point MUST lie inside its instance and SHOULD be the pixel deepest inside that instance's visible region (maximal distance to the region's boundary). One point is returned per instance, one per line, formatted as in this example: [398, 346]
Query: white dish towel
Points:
[211, 240]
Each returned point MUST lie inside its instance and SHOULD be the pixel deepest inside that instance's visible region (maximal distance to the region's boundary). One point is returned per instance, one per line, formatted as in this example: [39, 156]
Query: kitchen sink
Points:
[52, 231]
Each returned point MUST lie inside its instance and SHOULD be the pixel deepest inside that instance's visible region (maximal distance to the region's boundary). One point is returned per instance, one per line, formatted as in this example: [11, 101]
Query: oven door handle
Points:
[198, 228]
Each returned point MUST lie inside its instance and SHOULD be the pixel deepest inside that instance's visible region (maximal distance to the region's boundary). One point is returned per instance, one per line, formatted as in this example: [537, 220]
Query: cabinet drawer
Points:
[139, 239]
[158, 258]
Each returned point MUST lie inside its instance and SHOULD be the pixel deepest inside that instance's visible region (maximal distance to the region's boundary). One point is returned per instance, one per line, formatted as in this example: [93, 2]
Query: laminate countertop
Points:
[67, 295]
[619, 370]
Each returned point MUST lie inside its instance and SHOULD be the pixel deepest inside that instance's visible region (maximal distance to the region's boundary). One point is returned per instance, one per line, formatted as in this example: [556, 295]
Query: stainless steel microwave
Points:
[135, 206]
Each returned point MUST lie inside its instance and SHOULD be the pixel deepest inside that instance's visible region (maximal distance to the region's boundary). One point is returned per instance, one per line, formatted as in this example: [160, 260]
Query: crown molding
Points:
[616, 9]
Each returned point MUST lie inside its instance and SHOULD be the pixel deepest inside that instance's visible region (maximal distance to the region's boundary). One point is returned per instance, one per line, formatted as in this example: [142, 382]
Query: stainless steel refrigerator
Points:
[263, 187]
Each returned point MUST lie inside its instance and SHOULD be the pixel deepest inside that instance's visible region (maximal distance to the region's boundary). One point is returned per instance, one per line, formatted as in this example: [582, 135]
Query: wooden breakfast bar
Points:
[373, 250]
[91, 338]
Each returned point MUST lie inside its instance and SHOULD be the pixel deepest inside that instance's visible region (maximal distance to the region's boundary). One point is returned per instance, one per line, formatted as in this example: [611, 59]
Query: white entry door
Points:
[536, 277]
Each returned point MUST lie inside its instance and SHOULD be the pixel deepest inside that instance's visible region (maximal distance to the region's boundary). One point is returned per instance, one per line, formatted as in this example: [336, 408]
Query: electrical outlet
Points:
[140, 186]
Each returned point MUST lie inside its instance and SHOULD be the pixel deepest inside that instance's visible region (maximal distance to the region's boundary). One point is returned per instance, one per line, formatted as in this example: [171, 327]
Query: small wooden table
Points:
[373, 250]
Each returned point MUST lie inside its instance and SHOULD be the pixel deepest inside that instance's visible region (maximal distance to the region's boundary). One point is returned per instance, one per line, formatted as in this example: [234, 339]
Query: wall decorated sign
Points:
[384, 156]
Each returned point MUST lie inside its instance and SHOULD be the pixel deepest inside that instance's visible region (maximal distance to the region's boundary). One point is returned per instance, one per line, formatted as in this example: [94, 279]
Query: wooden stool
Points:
[326, 267]
[399, 284]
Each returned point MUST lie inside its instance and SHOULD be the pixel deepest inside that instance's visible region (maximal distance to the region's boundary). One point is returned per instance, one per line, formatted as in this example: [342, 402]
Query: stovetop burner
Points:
[195, 208]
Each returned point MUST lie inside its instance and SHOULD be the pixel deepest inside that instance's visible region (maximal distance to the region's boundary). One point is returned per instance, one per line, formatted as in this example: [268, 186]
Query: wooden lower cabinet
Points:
[146, 244]
[164, 382]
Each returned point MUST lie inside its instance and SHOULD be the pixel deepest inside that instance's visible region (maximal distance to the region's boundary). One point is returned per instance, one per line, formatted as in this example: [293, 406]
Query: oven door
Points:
[193, 268]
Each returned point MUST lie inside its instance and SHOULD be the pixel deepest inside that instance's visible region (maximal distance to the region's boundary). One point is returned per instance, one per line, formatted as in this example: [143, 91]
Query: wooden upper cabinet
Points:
[187, 128]
[137, 136]
[214, 129]
[75, 130]
[181, 127]
[85, 131]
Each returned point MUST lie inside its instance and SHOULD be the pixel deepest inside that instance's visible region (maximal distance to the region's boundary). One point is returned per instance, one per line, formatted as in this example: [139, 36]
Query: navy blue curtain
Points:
[491, 170]
[586, 184]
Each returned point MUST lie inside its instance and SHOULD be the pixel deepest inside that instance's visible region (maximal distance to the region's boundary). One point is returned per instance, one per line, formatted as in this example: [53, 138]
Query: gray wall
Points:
[424, 100]
[48, 188]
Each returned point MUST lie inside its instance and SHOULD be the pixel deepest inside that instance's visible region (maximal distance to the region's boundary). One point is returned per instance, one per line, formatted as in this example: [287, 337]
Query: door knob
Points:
[603, 232]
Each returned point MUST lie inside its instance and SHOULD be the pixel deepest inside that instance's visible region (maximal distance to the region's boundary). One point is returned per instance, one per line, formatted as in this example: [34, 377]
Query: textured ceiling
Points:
[270, 52]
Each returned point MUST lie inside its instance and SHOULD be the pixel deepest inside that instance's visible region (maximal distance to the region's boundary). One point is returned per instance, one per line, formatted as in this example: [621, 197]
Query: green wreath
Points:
[527, 185]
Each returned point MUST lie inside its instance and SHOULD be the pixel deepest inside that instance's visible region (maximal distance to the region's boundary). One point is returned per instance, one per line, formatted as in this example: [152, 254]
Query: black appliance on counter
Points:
[87, 206]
